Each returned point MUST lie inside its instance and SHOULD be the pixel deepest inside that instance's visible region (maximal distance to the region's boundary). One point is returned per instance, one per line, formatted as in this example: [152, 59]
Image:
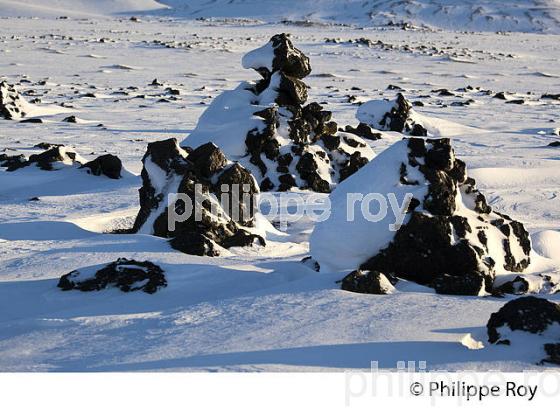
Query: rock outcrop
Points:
[125, 274]
[12, 105]
[450, 238]
[269, 129]
[218, 201]
[396, 115]
[529, 315]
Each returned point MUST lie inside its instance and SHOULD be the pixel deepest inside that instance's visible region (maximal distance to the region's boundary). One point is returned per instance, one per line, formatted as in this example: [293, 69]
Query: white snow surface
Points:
[257, 309]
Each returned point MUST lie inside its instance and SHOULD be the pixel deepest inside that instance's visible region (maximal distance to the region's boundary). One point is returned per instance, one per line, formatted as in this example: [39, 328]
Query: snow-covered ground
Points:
[257, 309]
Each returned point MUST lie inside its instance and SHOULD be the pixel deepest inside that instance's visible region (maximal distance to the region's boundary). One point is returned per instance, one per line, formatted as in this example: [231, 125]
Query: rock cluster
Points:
[125, 274]
[219, 198]
[453, 241]
[450, 238]
[397, 115]
[531, 315]
[284, 142]
[12, 105]
[56, 157]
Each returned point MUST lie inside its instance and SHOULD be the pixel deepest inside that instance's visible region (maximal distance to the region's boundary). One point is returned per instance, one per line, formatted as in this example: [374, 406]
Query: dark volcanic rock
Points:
[12, 162]
[527, 314]
[396, 115]
[203, 224]
[126, 274]
[371, 282]
[11, 103]
[284, 139]
[364, 131]
[57, 156]
[445, 243]
[108, 165]
[51, 159]
[286, 58]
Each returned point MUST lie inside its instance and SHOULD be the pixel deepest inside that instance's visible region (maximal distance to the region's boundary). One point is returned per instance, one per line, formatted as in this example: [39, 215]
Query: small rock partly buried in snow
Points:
[364, 131]
[126, 274]
[12, 105]
[201, 176]
[372, 282]
[57, 156]
[311, 263]
[529, 315]
[396, 115]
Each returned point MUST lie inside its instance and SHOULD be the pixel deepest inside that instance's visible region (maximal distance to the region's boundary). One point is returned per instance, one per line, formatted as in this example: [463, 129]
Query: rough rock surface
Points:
[396, 115]
[56, 157]
[371, 282]
[532, 315]
[12, 105]
[207, 178]
[452, 240]
[364, 131]
[108, 165]
[126, 274]
[284, 142]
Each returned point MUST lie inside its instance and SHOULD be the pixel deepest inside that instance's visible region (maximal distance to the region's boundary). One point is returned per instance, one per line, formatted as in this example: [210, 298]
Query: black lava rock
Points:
[11, 103]
[527, 314]
[126, 274]
[440, 246]
[200, 176]
[364, 131]
[108, 165]
[372, 282]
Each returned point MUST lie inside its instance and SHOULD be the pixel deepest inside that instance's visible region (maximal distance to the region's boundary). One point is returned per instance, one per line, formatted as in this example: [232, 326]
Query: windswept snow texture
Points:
[252, 309]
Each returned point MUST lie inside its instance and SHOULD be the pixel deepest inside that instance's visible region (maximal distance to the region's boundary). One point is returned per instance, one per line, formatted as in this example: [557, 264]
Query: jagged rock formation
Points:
[212, 185]
[397, 115]
[126, 274]
[267, 127]
[531, 315]
[371, 282]
[56, 157]
[450, 238]
[12, 105]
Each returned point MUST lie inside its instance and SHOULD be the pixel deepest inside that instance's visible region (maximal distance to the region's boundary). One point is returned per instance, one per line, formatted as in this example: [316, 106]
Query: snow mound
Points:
[421, 218]
[547, 244]
[219, 204]
[266, 127]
